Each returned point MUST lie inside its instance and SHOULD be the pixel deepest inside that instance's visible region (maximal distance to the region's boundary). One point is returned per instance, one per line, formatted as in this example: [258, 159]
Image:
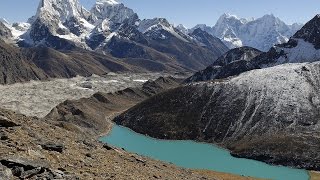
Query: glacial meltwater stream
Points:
[190, 154]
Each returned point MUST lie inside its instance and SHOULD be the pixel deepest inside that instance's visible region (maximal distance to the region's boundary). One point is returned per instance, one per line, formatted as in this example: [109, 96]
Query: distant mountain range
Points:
[111, 28]
[261, 33]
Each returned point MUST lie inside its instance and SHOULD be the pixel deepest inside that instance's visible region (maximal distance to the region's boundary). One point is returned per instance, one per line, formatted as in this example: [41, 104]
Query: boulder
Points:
[5, 122]
[53, 147]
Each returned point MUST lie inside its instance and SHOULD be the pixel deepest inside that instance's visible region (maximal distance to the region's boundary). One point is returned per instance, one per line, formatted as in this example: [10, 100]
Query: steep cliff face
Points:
[208, 41]
[273, 108]
[5, 32]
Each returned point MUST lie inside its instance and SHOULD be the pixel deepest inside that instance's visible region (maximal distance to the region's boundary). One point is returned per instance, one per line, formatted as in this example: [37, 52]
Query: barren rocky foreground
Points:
[33, 149]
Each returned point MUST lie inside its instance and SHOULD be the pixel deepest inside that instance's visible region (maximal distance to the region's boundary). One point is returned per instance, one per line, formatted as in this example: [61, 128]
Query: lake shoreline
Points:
[208, 148]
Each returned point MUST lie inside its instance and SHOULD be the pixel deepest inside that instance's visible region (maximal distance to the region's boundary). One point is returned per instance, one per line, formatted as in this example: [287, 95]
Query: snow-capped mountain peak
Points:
[4, 21]
[153, 28]
[182, 29]
[64, 14]
[113, 10]
[261, 33]
[109, 2]
[63, 9]
[229, 18]
[149, 24]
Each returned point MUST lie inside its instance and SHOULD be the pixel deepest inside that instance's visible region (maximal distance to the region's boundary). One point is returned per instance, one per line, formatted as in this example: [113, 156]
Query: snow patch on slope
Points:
[158, 24]
[303, 52]
[285, 83]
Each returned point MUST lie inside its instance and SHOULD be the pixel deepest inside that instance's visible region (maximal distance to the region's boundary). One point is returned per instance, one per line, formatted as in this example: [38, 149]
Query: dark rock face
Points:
[187, 54]
[95, 40]
[42, 31]
[39, 31]
[53, 147]
[5, 122]
[258, 114]
[237, 54]
[74, 26]
[106, 146]
[40, 63]
[26, 169]
[206, 40]
[234, 62]
[122, 48]
[72, 63]
[310, 32]
[131, 32]
[5, 33]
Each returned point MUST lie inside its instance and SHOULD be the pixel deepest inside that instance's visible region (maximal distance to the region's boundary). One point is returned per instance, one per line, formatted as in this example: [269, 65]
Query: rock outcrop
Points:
[232, 63]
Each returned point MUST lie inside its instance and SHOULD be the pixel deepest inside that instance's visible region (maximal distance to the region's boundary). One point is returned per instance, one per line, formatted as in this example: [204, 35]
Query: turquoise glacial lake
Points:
[190, 154]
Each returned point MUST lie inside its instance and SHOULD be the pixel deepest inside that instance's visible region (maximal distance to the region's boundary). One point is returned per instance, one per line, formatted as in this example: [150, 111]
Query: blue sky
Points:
[188, 12]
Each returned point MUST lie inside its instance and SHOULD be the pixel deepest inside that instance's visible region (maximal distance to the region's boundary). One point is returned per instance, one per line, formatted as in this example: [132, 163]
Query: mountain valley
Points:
[69, 75]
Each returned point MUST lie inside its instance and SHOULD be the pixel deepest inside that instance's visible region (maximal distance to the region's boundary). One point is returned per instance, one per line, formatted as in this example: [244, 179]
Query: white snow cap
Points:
[110, 2]
[3, 20]
[64, 9]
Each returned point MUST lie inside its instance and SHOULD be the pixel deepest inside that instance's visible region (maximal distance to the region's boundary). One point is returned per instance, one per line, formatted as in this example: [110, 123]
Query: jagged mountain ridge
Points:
[112, 28]
[261, 33]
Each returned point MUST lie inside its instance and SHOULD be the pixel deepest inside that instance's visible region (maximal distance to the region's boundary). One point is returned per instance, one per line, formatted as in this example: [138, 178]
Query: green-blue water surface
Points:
[190, 154]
